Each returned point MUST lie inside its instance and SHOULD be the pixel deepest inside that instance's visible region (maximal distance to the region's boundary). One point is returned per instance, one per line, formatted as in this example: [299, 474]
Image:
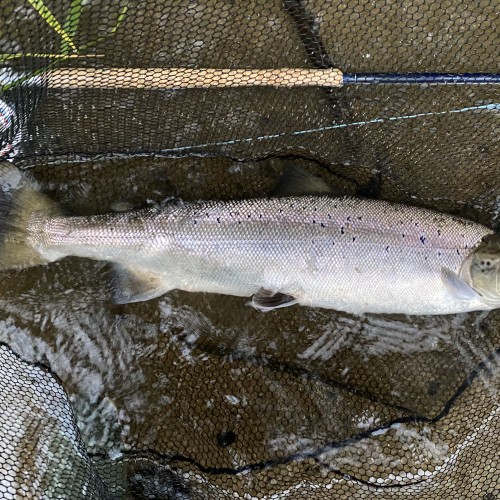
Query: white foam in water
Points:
[380, 335]
[367, 421]
[291, 443]
[190, 322]
[427, 447]
[232, 399]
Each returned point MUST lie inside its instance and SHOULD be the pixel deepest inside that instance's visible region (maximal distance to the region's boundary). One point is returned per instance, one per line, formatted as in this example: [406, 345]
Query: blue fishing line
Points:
[488, 107]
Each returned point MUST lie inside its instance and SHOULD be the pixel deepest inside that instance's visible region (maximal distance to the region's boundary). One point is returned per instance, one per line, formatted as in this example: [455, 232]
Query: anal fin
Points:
[135, 284]
[265, 300]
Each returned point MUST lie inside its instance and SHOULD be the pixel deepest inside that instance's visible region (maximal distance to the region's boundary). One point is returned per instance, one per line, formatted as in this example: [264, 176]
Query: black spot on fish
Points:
[458, 251]
[329, 216]
[403, 235]
[360, 218]
[354, 238]
[439, 232]
[195, 222]
[422, 239]
[386, 249]
[314, 222]
[315, 209]
[348, 217]
[239, 222]
[342, 230]
[322, 225]
[218, 220]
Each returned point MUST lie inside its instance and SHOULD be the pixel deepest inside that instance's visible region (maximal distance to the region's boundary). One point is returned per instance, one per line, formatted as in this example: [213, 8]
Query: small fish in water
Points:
[343, 253]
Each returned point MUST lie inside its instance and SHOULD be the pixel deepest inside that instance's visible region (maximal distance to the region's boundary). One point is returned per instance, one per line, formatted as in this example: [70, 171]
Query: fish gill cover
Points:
[197, 396]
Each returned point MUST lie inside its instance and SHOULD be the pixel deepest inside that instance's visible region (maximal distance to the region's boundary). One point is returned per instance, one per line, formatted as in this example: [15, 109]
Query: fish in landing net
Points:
[341, 253]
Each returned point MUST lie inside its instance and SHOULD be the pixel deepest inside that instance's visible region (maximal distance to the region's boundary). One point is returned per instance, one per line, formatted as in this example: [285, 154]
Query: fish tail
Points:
[20, 200]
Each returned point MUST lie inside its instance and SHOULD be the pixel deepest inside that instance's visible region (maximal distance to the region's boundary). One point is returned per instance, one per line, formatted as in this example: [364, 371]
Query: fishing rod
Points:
[186, 78]
[190, 78]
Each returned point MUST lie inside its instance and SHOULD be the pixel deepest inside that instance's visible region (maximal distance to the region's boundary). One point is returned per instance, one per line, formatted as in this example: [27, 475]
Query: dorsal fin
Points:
[295, 181]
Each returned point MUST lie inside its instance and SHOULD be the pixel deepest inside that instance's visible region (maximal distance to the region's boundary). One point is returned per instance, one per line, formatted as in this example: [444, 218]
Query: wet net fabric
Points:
[41, 453]
[195, 396]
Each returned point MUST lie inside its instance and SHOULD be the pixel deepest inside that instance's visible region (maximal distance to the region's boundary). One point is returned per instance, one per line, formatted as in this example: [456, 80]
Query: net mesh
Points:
[197, 396]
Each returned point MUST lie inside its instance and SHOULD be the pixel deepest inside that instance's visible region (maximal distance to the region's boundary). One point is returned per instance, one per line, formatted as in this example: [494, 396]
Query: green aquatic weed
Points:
[69, 48]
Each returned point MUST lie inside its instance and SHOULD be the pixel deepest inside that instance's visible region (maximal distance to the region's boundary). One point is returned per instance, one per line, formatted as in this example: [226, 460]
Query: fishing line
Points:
[489, 107]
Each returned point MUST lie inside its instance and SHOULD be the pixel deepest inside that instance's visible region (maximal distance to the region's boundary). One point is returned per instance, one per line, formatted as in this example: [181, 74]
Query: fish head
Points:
[485, 269]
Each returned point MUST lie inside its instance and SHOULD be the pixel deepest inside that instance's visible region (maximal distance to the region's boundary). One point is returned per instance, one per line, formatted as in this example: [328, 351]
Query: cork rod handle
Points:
[190, 78]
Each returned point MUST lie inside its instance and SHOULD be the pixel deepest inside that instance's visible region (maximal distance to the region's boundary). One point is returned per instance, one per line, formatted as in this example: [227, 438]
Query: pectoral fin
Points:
[265, 300]
[457, 286]
[134, 284]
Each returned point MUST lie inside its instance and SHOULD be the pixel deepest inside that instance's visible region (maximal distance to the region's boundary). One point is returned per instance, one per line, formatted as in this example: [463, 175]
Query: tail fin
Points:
[19, 200]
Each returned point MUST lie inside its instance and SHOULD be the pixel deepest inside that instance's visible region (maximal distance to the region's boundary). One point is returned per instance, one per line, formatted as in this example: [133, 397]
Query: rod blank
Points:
[420, 78]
